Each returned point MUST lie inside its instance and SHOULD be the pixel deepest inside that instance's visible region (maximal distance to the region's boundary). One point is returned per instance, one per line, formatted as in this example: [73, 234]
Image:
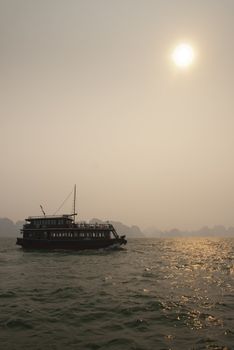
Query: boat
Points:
[63, 232]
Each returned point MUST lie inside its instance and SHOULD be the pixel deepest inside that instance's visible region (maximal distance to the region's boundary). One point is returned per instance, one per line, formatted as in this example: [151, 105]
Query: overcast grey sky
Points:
[90, 96]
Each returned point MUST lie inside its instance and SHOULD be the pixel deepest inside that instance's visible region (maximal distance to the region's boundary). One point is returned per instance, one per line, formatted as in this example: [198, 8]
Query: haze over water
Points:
[90, 95]
[155, 294]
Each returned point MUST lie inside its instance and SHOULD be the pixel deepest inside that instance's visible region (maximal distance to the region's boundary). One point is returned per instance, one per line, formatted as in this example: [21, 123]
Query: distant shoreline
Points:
[10, 229]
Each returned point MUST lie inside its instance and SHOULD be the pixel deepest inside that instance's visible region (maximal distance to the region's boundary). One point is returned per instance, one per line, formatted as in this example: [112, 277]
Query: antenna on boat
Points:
[74, 203]
[42, 210]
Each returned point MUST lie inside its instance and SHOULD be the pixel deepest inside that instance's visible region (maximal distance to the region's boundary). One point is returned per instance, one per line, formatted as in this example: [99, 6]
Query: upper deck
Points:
[50, 217]
[63, 222]
[49, 221]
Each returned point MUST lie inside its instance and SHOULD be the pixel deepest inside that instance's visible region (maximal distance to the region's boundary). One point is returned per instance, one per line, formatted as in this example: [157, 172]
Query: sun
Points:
[183, 55]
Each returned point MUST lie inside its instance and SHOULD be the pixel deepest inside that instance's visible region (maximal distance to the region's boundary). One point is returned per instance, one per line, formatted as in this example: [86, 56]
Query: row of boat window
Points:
[51, 222]
[68, 235]
[48, 222]
[75, 235]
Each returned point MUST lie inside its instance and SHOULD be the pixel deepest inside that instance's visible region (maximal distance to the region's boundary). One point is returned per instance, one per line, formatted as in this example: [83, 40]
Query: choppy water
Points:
[155, 294]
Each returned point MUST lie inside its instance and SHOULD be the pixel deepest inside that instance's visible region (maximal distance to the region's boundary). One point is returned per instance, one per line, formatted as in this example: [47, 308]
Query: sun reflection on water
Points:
[192, 273]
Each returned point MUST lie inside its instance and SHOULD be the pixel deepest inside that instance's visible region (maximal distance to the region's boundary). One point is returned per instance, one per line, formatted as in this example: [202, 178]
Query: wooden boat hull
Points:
[69, 244]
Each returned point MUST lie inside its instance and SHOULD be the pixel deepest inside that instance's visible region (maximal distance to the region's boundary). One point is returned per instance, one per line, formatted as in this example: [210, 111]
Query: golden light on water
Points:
[183, 55]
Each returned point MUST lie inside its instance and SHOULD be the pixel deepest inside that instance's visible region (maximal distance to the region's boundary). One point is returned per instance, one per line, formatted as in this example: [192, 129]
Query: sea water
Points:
[153, 294]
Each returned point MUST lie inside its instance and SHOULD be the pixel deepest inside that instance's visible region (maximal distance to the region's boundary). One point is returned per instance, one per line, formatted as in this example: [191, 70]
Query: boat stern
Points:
[122, 240]
[19, 241]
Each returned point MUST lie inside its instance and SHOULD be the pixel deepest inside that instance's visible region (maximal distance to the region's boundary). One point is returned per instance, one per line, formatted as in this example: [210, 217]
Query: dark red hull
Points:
[69, 244]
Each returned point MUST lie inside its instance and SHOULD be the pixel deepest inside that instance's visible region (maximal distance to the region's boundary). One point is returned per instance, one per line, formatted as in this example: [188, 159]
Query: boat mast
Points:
[42, 210]
[74, 203]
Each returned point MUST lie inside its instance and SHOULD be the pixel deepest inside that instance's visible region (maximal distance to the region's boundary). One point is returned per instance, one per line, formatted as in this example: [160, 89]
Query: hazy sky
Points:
[90, 96]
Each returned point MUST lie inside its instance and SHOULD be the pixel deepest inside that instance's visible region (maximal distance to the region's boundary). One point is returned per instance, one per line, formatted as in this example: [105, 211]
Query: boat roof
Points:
[49, 217]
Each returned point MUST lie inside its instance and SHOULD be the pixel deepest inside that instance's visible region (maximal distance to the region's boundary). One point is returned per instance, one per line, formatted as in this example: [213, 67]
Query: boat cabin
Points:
[48, 221]
[64, 228]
